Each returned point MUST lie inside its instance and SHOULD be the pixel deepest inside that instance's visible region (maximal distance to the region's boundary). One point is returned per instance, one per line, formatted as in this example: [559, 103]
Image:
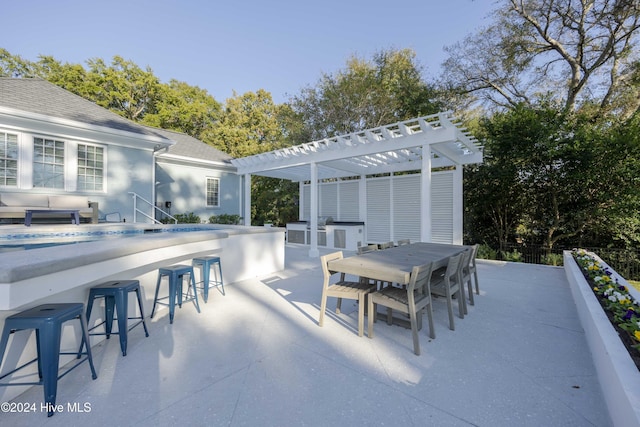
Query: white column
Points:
[301, 201]
[457, 205]
[362, 208]
[313, 220]
[247, 199]
[425, 195]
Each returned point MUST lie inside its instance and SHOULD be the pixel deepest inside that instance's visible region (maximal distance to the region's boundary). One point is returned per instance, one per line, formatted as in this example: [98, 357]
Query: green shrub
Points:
[552, 259]
[513, 256]
[225, 219]
[485, 252]
[189, 218]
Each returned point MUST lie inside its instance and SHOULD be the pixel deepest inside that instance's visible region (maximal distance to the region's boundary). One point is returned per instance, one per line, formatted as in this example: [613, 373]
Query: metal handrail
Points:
[136, 196]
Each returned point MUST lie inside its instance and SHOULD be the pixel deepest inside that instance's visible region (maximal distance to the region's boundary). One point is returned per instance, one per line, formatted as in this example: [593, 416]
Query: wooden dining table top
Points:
[395, 264]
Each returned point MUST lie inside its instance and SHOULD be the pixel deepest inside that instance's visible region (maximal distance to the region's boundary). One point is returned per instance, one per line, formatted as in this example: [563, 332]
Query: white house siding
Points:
[184, 185]
[126, 168]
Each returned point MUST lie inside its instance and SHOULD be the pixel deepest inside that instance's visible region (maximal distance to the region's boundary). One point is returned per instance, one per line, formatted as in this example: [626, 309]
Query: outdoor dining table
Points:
[394, 265]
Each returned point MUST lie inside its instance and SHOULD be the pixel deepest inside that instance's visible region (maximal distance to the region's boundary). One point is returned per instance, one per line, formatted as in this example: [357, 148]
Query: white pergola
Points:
[424, 143]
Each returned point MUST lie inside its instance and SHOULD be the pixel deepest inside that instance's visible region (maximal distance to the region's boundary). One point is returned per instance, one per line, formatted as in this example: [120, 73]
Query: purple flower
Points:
[630, 314]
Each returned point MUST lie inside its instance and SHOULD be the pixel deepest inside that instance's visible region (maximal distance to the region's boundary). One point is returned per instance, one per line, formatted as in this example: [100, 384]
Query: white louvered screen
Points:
[378, 221]
[328, 200]
[406, 207]
[349, 201]
[442, 207]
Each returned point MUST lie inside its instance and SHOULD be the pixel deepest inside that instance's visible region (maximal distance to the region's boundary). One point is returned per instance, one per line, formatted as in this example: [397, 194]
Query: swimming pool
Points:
[18, 240]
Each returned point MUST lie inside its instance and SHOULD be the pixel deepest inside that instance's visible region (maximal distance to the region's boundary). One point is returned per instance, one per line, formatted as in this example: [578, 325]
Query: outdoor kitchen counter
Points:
[346, 235]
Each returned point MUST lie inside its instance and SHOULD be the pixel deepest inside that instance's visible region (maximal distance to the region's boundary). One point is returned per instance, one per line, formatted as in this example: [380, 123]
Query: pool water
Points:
[19, 241]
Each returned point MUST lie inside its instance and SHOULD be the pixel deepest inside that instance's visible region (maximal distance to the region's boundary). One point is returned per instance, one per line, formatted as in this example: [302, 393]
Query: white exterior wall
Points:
[184, 185]
[129, 164]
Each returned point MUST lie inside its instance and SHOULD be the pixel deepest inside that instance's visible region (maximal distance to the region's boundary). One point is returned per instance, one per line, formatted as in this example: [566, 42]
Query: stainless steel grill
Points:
[322, 222]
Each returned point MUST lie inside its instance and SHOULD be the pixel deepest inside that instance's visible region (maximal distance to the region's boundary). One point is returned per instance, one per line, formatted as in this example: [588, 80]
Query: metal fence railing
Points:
[626, 262]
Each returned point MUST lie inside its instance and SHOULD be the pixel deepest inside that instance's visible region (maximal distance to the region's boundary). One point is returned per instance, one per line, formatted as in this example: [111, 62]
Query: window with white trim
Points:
[90, 167]
[48, 163]
[8, 159]
[213, 192]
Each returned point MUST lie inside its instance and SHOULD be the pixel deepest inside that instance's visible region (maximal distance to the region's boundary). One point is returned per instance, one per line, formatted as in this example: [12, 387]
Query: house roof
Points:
[392, 148]
[189, 147]
[38, 96]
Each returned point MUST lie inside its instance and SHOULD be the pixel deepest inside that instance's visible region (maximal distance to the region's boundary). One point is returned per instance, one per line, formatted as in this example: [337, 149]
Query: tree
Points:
[553, 177]
[366, 94]
[249, 125]
[13, 65]
[574, 51]
[185, 108]
[123, 87]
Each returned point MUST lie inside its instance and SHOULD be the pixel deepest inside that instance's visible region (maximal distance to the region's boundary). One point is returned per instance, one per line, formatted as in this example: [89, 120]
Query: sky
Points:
[239, 46]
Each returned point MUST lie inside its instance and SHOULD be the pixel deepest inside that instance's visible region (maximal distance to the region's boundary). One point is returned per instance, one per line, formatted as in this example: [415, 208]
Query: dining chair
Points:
[403, 242]
[411, 300]
[449, 285]
[343, 289]
[386, 245]
[472, 267]
[368, 248]
[364, 250]
[466, 276]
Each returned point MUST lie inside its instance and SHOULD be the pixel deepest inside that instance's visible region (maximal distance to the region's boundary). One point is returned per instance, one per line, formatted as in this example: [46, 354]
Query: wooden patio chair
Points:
[411, 300]
[368, 248]
[343, 289]
[449, 285]
[386, 245]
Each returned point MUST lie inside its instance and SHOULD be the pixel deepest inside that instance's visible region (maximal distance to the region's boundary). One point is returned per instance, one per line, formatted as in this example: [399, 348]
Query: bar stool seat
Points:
[116, 293]
[206, 263]
[47, 320]
[175, 275]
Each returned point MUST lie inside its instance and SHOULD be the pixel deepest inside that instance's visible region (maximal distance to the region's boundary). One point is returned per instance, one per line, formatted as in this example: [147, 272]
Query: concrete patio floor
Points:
[256, 357]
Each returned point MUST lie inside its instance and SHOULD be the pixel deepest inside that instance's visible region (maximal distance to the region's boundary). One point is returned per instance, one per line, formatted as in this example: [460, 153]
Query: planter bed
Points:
[618, 375]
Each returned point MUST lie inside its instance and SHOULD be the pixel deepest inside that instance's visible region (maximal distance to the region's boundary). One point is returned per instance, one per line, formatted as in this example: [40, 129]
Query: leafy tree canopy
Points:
[366, 94]
[569, 50]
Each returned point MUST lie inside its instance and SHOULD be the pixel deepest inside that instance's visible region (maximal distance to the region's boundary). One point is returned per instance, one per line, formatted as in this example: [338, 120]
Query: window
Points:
[90, 167]
[213, 192]
[8, 159]
[48, 163]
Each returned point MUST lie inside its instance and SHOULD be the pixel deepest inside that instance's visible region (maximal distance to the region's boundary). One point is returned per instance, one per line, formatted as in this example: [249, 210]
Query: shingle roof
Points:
[188, 146]
[41, 97]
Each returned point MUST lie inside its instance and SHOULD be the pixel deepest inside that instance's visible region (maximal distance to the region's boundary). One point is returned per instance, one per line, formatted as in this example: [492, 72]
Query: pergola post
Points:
[362, 206]
[313, 220]
[458, 206]
[247, 199]
[425, 195]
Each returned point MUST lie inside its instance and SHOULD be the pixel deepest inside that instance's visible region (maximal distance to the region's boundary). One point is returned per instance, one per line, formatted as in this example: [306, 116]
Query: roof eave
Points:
[158, 142]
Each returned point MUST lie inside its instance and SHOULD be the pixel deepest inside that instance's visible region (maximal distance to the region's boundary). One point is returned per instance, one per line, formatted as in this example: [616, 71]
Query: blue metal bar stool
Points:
[206, 263]
[47, 320]
[116, 293]
[175, 275]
